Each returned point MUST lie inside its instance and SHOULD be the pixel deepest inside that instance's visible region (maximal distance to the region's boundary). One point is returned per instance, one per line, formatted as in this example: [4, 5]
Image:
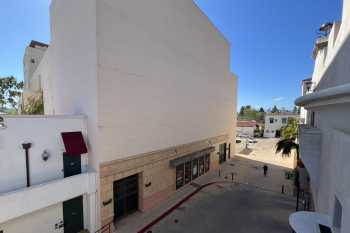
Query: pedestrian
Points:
[266, 168]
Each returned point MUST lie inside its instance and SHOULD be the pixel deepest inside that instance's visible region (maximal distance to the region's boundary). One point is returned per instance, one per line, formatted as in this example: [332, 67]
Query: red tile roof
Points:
[246, 124]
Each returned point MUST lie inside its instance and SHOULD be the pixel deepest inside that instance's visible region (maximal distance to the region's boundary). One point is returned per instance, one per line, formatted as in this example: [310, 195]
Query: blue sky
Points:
[271, 41]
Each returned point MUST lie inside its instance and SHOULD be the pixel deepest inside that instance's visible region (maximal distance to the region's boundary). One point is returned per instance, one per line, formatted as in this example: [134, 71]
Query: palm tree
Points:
[286, 146]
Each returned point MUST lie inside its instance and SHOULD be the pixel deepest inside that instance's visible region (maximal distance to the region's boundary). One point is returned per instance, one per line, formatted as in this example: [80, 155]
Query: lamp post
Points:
[26, 147]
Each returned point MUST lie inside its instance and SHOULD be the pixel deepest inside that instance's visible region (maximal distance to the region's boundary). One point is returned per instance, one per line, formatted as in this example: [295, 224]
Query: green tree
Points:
[288, 143]
[275, 109]
[34, 106]
[286, 146]
[10, 92]
[249, 113]
[291, 129]
[241, 112]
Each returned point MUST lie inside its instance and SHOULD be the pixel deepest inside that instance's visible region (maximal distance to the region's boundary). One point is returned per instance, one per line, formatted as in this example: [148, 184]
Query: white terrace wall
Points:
[42, 221]
[164, 76]
[334, 168]
[44, 133]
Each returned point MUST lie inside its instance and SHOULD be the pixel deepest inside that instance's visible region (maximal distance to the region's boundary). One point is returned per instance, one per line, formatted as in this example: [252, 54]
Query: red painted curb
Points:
[171, 209]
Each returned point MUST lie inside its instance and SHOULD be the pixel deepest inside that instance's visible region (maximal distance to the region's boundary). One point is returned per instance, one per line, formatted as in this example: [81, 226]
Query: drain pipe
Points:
[26, 147]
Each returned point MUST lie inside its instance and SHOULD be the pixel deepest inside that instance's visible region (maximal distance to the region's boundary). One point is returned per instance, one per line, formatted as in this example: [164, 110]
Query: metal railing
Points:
[106, 228]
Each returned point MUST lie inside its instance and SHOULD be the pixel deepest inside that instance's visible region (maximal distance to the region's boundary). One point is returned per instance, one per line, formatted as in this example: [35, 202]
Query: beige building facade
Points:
[157, 178]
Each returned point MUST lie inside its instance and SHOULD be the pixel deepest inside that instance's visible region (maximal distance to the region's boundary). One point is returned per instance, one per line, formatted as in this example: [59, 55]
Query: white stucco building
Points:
[246, 128]
[325, 139]
[275, 121]
[32, 59]
[147, 76]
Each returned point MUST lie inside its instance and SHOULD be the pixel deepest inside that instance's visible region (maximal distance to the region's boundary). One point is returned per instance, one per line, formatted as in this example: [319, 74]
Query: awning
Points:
[190, 157]
[74, 143]
[308, 222]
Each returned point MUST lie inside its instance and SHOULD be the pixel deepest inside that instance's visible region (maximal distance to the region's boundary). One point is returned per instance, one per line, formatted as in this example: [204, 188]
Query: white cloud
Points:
[277, 99]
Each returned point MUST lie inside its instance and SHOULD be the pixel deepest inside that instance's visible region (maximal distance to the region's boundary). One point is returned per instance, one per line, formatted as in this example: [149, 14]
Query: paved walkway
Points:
[230, 208]
[249, 203]
[264, 151]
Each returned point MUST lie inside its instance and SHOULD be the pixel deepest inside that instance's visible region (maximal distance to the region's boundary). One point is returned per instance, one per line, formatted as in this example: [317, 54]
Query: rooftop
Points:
[35, 44]
[247, 123]
[282, 114]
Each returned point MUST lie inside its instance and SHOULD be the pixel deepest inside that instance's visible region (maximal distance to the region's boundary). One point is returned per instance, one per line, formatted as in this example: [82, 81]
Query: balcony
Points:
[310, 151]
[26, 200]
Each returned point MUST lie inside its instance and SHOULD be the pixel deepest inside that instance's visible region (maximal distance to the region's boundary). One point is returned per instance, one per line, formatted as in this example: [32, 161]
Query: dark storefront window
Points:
[222, 153]
[201, 166]
[179, 176]
[188, 172]
[207, 163]
[195, 169]
[229, 151]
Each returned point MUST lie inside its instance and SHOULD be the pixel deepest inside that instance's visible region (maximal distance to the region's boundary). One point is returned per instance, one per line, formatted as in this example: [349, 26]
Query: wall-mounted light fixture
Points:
[148, 184]
[109, 201]
[45, 155]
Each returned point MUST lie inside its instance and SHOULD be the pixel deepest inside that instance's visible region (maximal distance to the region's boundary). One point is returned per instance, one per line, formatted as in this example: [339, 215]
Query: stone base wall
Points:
[154, 170]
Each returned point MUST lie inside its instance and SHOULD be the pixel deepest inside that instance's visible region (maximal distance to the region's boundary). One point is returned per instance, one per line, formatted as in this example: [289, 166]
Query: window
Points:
[195, 169]
[207, 163]
[222, 153]
[201, 166]
[179, 176]
[284, 120]
[32, 60]
[188, 172]
[272, 120]
[312, 120]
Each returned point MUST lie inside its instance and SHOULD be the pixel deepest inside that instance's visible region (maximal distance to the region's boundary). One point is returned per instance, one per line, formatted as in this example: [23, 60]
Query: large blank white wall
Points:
[164, 76]
[73, 63]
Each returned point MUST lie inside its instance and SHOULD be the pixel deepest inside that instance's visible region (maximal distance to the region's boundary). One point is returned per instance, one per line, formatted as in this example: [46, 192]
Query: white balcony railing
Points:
[26, 200]
[310, 151]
